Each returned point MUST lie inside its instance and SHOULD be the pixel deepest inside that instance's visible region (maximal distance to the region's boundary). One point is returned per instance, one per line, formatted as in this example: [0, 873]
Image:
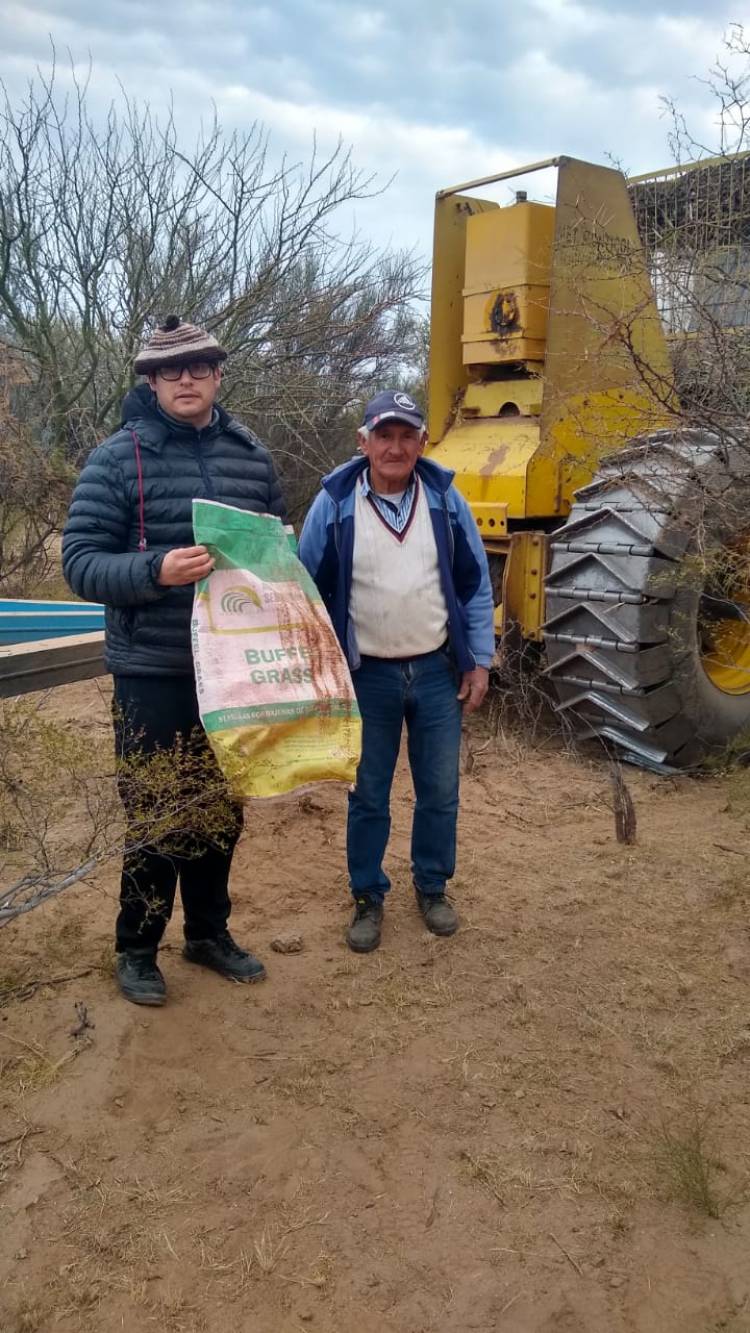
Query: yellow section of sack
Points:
[263, 761]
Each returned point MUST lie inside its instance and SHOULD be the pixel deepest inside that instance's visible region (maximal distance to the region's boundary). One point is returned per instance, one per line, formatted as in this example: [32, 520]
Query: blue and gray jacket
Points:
[326, 549]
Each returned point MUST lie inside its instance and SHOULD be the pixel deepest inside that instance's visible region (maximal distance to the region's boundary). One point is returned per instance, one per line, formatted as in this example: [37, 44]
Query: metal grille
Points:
[694, 223]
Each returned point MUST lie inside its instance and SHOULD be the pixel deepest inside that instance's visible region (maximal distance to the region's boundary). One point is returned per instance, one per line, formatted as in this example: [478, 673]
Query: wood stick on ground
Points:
[736, 851]
[25, 990]
[569, 1257]
[22, 1134]
[622, 806]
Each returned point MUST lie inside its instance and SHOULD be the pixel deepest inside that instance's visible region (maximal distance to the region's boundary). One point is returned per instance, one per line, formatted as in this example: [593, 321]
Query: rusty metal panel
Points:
[694, 223]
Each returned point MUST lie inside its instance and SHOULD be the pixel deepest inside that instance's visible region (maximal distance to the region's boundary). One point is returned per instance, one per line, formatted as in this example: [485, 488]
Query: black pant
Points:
[182, 822]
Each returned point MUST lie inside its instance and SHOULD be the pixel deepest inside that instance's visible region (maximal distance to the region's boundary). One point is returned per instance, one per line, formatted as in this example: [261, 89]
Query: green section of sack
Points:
[239, 540]
[225, 719]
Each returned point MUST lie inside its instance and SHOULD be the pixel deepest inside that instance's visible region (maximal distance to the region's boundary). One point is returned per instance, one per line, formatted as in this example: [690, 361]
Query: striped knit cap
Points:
[177, 342]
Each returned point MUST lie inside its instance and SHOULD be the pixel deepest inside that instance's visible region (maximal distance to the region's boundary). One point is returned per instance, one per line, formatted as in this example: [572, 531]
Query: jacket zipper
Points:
[207, 483]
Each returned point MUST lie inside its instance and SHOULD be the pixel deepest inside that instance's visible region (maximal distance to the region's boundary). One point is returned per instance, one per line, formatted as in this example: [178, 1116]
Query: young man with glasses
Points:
[129, 543]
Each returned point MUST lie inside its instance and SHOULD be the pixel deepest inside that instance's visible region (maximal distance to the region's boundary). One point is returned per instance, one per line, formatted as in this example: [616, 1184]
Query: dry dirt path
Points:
[482, 1133]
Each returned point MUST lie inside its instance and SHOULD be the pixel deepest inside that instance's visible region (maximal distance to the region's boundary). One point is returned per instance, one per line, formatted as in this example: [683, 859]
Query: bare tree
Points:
[106, 227]
[728, 82]
[34, 487]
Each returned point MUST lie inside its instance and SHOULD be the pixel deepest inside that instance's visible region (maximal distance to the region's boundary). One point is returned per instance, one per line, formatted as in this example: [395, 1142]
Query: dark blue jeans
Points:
[420, 691]
[150, 713]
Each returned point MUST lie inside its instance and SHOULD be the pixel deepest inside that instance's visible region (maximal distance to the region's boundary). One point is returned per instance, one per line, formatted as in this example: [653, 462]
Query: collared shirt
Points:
[395, 513]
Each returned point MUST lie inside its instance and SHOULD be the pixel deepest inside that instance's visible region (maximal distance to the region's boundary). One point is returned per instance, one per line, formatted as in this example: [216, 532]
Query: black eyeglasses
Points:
[197, 370]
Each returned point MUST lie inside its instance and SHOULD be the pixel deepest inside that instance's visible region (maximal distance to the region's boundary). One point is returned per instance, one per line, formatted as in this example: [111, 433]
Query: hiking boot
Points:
[439, 915]
[226, 957]
[139, 978]
[363, 934]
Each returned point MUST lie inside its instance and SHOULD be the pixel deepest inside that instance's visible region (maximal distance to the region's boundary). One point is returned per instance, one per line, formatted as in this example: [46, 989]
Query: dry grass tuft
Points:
[270, 1247]
[687, 1160]
[31, 1069]
[306, 1082]
[484, 1169]
[28, 1317]
[321, 1274]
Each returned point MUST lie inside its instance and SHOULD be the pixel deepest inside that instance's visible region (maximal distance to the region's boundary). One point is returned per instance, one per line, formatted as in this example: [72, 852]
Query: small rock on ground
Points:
[288, 944]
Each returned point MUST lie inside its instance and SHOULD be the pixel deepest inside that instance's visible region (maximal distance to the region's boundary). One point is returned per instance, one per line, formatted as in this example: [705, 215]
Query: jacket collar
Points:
[343, 479]
[141, 414]
[367, 486]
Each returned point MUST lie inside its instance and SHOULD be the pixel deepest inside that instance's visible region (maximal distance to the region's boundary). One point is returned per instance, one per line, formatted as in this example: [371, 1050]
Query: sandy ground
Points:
[525, 1128]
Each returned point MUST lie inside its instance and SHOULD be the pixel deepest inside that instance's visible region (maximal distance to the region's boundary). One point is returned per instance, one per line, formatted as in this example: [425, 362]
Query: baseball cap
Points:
[392, 405]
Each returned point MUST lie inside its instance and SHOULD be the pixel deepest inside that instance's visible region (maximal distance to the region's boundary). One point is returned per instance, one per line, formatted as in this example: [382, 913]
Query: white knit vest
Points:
[397, 604]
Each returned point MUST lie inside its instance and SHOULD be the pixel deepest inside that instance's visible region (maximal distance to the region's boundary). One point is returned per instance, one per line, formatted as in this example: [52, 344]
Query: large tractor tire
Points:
[648, 601]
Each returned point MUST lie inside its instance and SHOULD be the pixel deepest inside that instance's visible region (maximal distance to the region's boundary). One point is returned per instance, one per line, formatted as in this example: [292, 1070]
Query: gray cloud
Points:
[434, 92]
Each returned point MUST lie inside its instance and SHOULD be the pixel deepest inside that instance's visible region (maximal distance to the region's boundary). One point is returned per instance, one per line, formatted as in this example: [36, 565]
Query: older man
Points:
[396, 554]
[129, 543]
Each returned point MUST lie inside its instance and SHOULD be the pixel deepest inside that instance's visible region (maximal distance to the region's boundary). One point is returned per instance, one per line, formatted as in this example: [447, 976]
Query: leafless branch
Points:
[108, 225]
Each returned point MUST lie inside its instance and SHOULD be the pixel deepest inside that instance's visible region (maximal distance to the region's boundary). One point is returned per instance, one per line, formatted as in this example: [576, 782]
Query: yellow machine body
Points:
[547, 352]
[507, 323]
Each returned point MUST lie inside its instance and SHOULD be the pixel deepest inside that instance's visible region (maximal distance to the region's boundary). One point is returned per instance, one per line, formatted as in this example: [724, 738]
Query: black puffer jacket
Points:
[147, 626]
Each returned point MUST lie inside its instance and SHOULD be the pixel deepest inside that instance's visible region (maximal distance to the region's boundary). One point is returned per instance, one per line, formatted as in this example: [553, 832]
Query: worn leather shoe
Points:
[139, 978]
[439, 915]
[363, 934]
[224, 955]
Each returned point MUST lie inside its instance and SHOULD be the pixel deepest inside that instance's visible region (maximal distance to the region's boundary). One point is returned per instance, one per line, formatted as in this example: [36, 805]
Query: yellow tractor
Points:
[616, 533]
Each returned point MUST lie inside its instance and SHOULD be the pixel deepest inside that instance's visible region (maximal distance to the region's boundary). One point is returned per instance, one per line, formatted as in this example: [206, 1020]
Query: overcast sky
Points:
[436, 92]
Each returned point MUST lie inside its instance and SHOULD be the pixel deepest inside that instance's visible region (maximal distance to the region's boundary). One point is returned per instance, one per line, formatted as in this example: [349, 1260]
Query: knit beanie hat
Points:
[176, 342]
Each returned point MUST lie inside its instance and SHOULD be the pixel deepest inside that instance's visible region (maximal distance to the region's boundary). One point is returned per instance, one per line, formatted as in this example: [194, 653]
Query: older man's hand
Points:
[473, 688]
